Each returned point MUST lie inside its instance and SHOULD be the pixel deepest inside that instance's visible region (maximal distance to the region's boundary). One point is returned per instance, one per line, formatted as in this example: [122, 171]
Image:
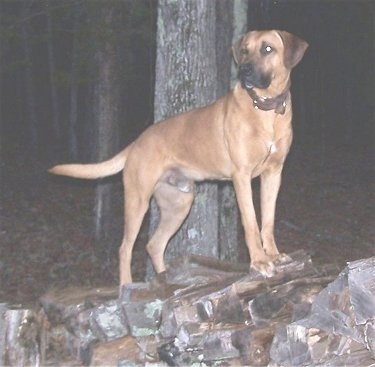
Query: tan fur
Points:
[227, 140]
[93, 171]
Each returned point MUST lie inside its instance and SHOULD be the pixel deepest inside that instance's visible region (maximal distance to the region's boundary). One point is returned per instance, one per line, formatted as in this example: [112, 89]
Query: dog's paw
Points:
[283, 258]
[266, 268]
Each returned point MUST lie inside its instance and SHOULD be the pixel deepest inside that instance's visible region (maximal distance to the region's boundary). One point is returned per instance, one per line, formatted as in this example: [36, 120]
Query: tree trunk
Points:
[2, 120]
[30, 113]
[73, 113]
[239, 29]
[224, 34]
[106, 101]
[52, 72]
[235, 11]
[186, 78]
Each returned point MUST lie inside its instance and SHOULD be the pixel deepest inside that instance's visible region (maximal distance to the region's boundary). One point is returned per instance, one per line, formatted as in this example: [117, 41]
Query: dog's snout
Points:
[246, 69]
[246, 74]
[251, 76]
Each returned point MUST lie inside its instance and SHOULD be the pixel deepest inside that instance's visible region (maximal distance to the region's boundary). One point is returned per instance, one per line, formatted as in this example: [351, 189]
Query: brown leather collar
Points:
[267, 104]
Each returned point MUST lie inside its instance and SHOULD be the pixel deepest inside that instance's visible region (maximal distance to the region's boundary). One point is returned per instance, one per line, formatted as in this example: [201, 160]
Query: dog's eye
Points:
[244, 51]
[266, 49]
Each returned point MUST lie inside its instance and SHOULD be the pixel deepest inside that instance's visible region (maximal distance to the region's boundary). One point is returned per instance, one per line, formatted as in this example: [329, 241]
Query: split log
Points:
[107, 321]
[217, 343]
[3, 308]
[361, 284]
[223, 306]
[282, 299]
[209, 312]
[202, 343]
[299, 267]
[340, 322]
[254, 344]
[358, 358]
[88, 316]
[193, 305]
[263, 303]
[120, 352]
[239, 299]
[19, 336]
[58, 346]
[62, 305]
[369, 331]
[142, 309]
[195, 270]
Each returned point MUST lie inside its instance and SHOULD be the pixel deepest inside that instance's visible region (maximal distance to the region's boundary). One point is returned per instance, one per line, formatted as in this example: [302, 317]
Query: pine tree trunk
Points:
[231, 242]
[105, 104]
[73, 113]
[30, 113]
[186, 78]
[1, 122]
[52, 72]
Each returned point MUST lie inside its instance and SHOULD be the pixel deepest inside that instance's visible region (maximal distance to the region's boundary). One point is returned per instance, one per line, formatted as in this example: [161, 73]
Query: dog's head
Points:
[265, 58]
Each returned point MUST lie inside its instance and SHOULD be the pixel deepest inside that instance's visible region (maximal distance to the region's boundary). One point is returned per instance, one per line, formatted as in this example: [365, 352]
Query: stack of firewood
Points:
[204, 311]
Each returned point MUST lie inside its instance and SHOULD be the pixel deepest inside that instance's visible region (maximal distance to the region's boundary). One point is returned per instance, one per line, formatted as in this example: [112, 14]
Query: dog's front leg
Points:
[259, 260]
[270, 184]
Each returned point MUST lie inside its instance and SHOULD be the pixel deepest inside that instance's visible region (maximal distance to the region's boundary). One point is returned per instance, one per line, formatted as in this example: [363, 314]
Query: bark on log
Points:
[188, 306]
[124, 351]
[107, 321]
[202, 343]
[88, 316]
[61, 305]
[304, 315]
[195, 270]
[19, 336]
[142, 309]
[340, 322]
[254, 344]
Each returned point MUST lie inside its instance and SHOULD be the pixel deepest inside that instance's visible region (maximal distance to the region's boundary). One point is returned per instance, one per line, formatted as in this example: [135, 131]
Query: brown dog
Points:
[245, 134]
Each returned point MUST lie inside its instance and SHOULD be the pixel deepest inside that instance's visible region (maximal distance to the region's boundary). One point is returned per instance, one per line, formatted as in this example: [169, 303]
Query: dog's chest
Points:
[259, 141]
[267, 135]
[271, 147]
[272, 141]
[269, 153]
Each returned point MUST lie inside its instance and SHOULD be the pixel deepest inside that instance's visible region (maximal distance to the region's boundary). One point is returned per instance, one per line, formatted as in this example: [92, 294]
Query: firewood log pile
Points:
[203, 312]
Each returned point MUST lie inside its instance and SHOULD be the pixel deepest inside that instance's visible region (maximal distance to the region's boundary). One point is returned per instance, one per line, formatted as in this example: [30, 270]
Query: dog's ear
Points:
[295, 48]
[236, 50]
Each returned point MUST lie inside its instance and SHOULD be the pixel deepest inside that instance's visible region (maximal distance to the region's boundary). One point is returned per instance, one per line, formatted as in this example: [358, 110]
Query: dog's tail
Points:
[95, 170]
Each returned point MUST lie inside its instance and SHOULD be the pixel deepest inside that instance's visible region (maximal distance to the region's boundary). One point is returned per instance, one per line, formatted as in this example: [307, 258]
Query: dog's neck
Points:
[277, 103]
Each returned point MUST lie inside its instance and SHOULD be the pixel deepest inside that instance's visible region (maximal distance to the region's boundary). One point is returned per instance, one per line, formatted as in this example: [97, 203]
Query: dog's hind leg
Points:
[137, 194]
[135, 209]
[174, 199]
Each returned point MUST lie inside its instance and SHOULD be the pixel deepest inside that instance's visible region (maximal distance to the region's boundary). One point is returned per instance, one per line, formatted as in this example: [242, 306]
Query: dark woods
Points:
[333, 90]
[56, 59]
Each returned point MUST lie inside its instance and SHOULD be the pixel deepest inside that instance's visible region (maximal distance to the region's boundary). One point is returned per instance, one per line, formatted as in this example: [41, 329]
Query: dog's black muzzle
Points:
[250, 77]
